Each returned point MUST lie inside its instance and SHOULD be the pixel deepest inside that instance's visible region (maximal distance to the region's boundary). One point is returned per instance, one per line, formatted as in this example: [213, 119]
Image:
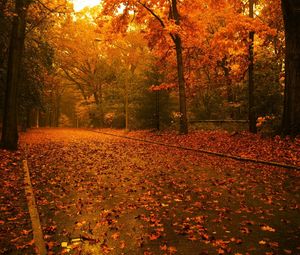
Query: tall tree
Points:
[291, 112]
[161, 17]
[183, 128]
[9, 138]
[82, 58]
[251, 104]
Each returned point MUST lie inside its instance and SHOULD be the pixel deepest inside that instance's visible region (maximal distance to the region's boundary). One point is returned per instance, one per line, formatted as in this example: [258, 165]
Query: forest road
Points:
[98, 194]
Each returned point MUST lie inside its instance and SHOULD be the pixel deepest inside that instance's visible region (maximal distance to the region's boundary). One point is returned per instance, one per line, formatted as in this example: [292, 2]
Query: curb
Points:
[34, 215]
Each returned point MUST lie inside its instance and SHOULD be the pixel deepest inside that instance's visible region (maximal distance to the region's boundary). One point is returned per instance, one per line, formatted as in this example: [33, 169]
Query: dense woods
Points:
[154, 64]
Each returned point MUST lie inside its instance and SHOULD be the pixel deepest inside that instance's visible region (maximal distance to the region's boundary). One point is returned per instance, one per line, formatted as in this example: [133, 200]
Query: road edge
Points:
[34, 215]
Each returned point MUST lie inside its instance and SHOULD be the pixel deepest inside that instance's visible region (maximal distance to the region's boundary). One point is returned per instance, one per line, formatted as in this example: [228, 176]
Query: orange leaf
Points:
[115, 236]
[172, 249]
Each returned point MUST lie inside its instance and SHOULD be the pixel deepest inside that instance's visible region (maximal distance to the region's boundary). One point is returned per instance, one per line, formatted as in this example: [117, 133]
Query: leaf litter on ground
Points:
[119, 196]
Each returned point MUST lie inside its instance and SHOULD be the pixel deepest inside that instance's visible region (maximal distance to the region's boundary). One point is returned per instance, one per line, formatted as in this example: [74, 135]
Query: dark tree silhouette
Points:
[9, 139]
[251, 103]
[291, 113]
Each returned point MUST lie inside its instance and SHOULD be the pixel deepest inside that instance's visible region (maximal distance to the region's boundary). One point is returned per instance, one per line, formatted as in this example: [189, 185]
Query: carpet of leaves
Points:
[99, 194]
[15, 229]
[243, 144]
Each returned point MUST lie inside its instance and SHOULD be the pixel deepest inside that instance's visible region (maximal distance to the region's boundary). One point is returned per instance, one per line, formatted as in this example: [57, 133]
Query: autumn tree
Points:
[215, 35]
[163, 18]
[28, 16]
[36, 73]
[5, 27]
[156, 102]
[127, 51]
[83, 61]
[291, 113]
[9, 138]
[251, 87]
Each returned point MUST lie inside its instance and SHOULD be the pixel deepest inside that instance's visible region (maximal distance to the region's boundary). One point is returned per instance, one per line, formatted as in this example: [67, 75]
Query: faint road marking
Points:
[34, 216]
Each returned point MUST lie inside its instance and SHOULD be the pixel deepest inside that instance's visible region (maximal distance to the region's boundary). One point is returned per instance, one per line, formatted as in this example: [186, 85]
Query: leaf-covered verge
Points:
[98, 194]
[242, 144]
[15, 229]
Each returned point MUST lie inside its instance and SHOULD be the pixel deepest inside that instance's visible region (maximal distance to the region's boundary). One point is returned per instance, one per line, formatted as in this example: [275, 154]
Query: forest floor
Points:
[101, 194]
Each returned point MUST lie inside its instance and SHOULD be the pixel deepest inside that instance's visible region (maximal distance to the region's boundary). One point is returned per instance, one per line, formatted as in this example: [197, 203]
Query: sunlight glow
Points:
[80, 4]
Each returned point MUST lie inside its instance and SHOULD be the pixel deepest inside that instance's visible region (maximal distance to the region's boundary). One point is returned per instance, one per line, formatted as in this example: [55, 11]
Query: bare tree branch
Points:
[153, 14]
[157, 17]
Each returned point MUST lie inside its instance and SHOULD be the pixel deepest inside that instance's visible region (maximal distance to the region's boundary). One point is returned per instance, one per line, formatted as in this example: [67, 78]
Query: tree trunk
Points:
[251, 104]
[101, 105]
[28, 120]
[37, 118]
[126, 104]
[183, 125]
[173, 14]
[157, 110]
[57, 110]
[291, 112]
[98, 101]
[9, 138]
[227, 80]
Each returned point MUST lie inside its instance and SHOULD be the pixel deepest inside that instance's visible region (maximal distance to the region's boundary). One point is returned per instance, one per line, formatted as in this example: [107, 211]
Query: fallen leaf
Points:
[268, 228]
[115, 236]
[287, 251]
[172, 249]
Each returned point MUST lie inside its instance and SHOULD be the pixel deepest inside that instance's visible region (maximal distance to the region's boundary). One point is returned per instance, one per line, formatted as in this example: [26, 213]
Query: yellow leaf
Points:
[267, 228]
[64, 244]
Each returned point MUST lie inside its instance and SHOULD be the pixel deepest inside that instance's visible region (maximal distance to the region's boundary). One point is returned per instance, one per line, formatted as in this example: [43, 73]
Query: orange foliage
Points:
[211, 31]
